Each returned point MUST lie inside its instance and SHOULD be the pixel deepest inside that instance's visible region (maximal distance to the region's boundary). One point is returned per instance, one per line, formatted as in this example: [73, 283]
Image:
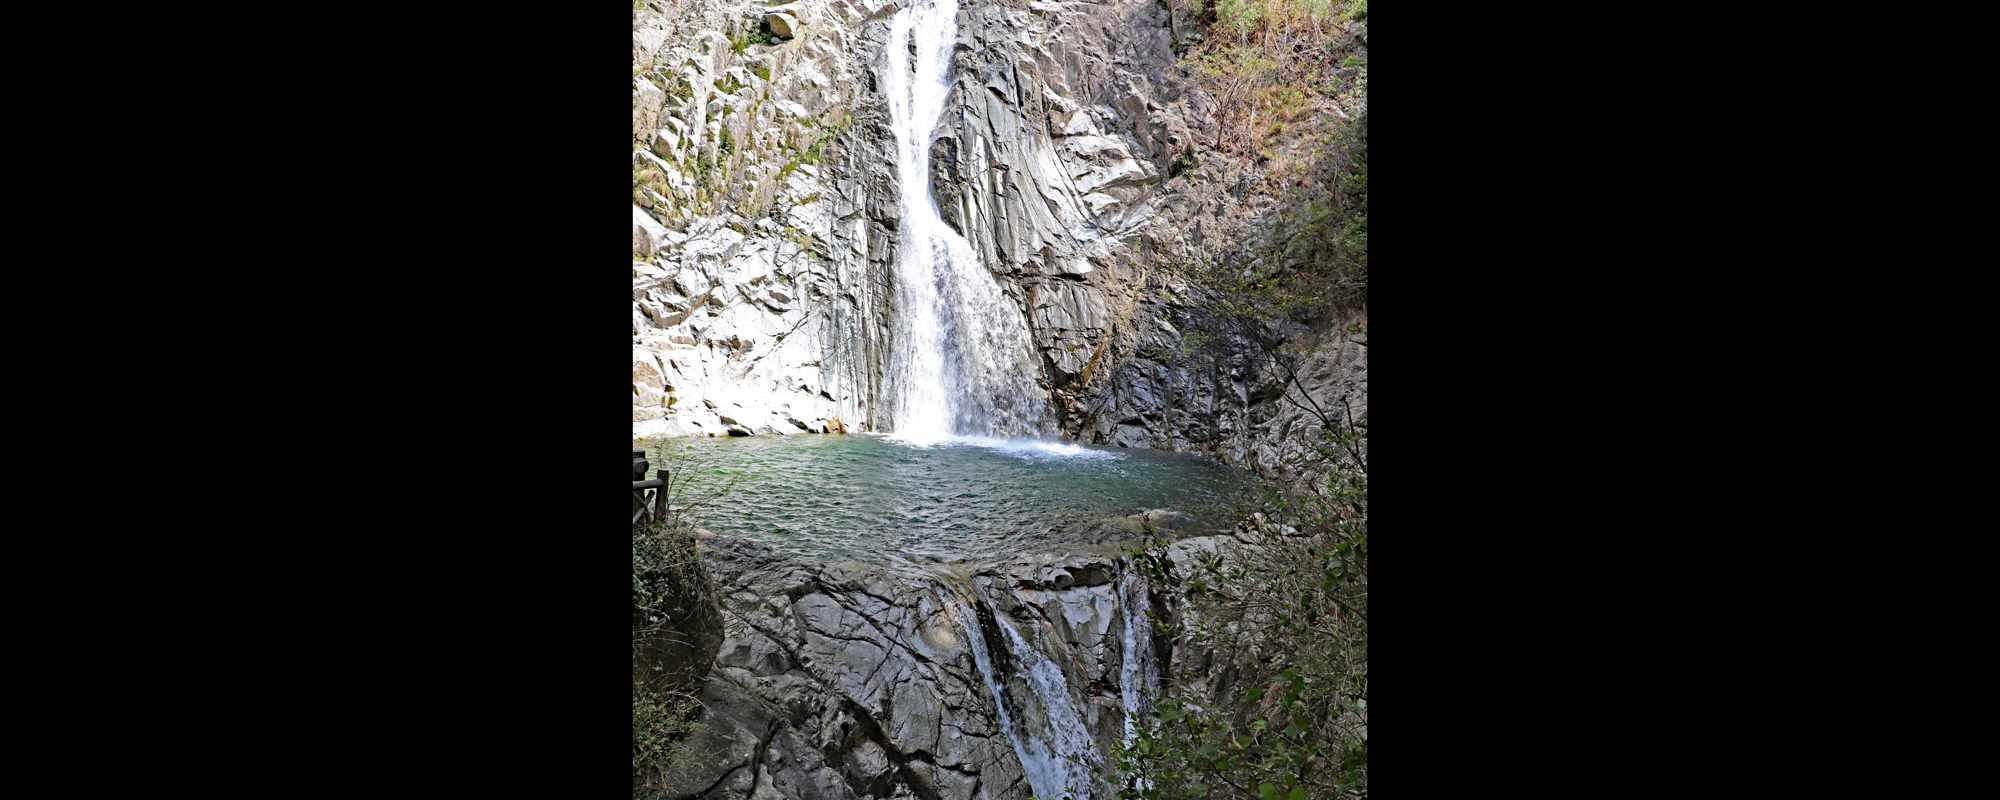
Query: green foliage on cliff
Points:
[662, 722]
[813, 153]
[676, 628]
[1275, 701]
[1272, 702]
[757, 35]
[1241, 16]
[1285, 81]
[1308, 268]
[1274, 65]
[646, 176]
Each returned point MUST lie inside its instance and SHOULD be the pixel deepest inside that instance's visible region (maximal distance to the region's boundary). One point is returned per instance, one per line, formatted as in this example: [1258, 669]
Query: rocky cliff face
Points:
[1070, 156]
[1059, 163]
[1000, 680]
[760, 232]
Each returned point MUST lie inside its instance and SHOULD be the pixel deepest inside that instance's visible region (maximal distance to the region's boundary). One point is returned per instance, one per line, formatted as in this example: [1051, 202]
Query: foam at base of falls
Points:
[1019, 447]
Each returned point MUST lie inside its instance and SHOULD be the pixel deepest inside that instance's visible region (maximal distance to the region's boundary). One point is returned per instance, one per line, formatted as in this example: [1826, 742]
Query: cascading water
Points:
[961, 361]
[1038, 773]
[1137, 675]
[1066, 746]
[1059, 758]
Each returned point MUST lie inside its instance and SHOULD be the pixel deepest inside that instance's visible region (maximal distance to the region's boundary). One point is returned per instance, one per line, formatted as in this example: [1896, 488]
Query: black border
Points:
[1535, 426]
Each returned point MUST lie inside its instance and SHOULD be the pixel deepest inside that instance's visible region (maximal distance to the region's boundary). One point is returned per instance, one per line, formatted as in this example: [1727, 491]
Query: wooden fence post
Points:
[660, 496]
[639, 466]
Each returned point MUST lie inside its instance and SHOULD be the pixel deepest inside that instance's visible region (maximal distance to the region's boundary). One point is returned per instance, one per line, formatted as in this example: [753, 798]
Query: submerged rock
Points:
[1166, 519]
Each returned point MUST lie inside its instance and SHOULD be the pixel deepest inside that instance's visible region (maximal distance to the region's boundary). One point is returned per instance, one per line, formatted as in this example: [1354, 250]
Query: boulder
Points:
[782, 26]
[647, 233]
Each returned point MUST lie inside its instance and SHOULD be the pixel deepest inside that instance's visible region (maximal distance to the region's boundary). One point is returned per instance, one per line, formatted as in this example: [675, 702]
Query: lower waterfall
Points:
[1138, 678]
[1058, 756]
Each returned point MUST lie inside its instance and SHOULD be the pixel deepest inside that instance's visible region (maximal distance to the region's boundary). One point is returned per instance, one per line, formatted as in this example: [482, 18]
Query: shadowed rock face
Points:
[763, 270]
[843, 680]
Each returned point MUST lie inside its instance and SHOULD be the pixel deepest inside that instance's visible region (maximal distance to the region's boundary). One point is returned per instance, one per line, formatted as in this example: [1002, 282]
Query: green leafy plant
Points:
[757, 35]
[1241, 16]
[676, 628]
[1275, 704]
[1272, 703]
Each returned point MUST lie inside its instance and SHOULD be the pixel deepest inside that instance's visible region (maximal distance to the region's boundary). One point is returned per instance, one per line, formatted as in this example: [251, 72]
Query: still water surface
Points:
[873, 497]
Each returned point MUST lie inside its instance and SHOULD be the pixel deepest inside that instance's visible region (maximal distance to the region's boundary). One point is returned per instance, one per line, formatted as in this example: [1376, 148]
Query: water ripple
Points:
[873, 497]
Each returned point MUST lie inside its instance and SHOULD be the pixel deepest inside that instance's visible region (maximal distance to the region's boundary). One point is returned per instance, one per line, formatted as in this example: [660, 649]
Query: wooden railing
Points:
[646, 506]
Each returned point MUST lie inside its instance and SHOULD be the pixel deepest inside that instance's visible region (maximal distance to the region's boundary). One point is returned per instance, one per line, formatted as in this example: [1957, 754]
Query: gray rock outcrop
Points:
[758, 292]
[993, 680]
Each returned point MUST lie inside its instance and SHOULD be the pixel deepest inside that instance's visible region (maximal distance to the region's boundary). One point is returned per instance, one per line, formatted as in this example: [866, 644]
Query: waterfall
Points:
[977, 641]
[961, 362]
[1138, 678]
[1057, 756]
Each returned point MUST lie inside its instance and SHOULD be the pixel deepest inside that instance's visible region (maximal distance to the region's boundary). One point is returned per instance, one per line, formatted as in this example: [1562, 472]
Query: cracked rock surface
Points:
[846, 680]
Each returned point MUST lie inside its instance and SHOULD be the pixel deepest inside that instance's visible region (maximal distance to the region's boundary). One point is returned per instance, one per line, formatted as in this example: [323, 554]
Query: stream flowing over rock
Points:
[845, 680]
[770, 211]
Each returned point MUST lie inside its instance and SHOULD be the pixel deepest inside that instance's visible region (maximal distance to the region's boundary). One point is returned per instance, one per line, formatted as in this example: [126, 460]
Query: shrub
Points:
[757, 35]
[662, 724]
[1275, 705]
[676, 630]
[1272, 700]
[1241, 16]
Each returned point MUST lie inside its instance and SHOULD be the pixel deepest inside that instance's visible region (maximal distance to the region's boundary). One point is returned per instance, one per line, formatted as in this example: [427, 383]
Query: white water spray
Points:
[1138, 678]
[1057, 755]
[962, 362]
